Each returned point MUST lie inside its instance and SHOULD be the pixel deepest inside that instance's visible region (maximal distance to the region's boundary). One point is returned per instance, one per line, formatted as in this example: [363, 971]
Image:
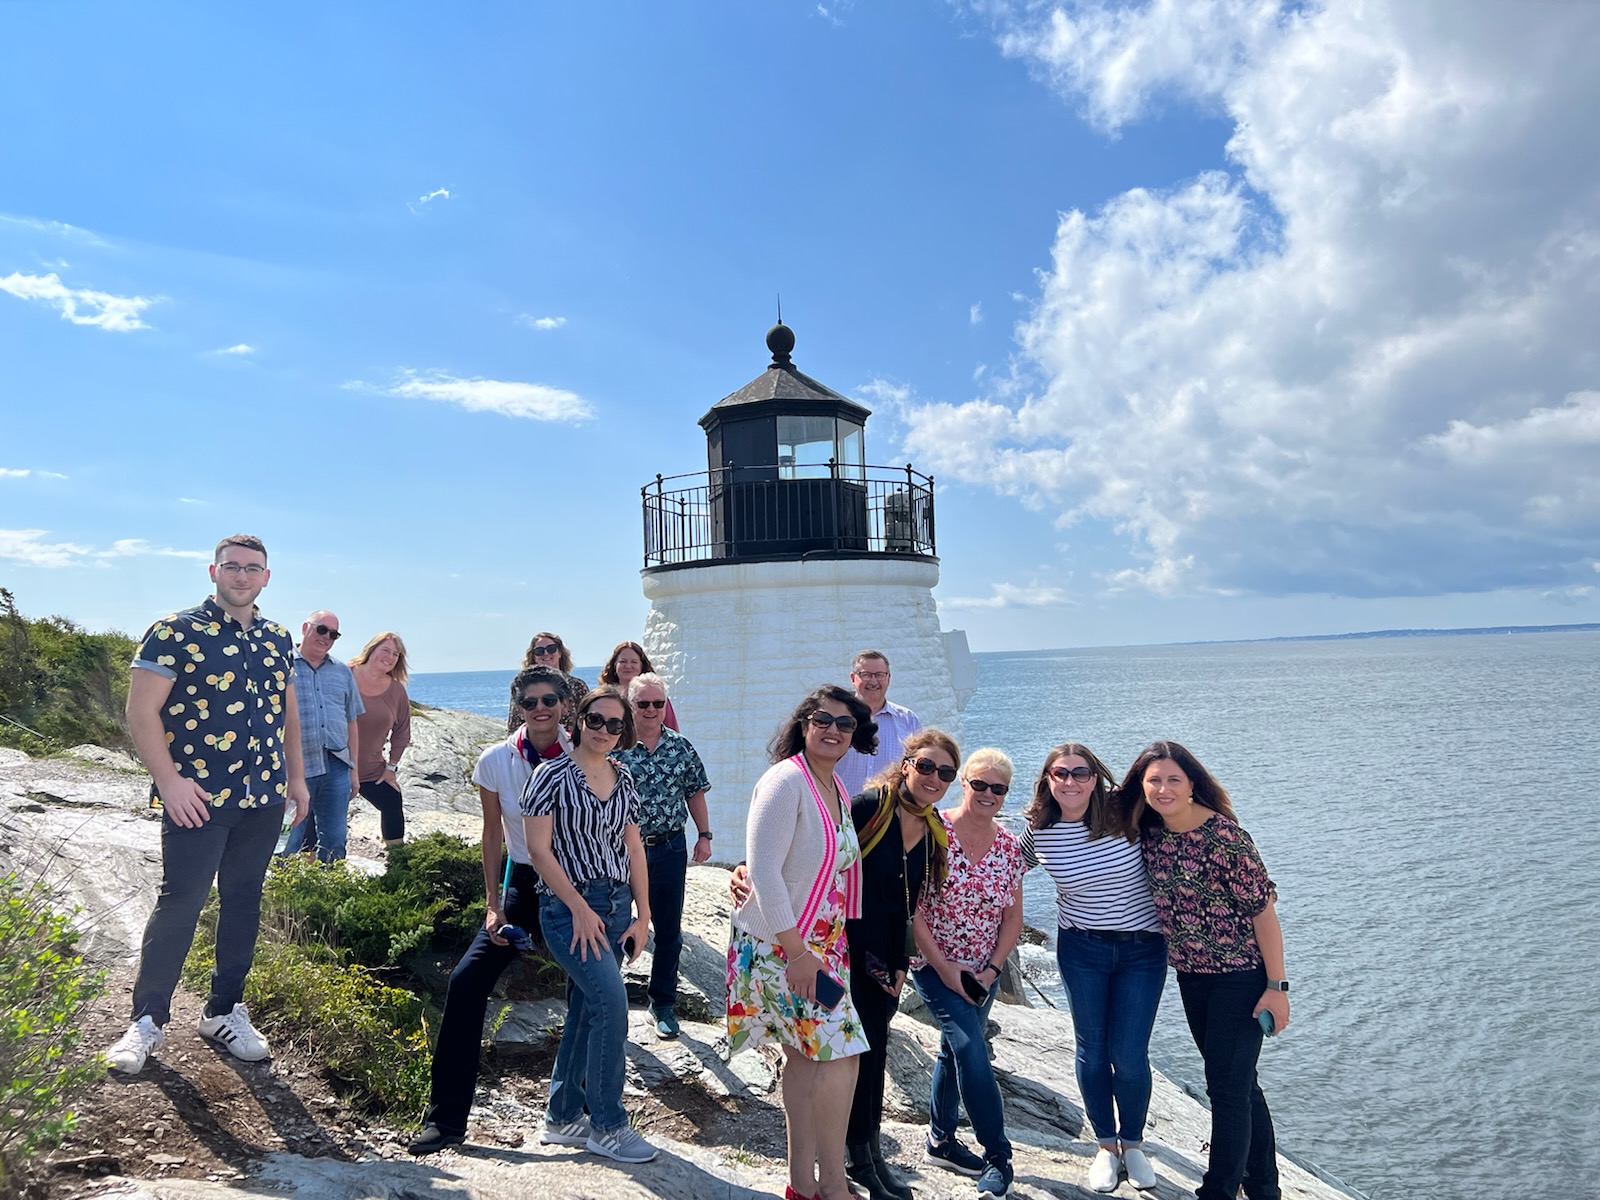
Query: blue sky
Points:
[1220, 319]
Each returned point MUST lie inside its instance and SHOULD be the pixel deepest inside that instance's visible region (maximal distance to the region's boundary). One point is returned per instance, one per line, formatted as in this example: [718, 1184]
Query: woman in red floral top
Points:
[963, 931]
[1217, 907]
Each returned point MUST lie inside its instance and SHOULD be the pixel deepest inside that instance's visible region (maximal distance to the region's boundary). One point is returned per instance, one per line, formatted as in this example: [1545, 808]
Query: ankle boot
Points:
[858, 1167]
[887, 1176]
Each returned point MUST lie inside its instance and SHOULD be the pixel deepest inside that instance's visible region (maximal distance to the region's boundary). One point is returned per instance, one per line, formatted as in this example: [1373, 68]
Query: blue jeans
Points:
[963, 1074]
[591, 1060]
[668, 863]
[329, 815]
[1244, 1148]
[1114, 989]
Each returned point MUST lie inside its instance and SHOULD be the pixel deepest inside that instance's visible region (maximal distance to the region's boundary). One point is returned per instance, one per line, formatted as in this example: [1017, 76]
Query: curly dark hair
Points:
[1101, 818]
[1137, 816]
[605, 691]
[548, 676]
[790, 738]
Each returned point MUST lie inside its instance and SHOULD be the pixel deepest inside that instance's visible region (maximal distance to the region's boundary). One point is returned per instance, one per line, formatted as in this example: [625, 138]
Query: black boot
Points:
[862, 1174]
[887, 1177]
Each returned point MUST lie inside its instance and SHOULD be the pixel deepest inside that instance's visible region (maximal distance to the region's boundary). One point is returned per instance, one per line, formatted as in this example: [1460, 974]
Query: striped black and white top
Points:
[1100, 884]
[587, 838]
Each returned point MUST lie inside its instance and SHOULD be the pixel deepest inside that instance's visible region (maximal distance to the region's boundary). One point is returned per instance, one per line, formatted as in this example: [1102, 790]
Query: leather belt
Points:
[662, 839]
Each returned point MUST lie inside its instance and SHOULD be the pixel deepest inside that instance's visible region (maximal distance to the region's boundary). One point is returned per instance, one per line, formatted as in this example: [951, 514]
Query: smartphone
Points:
[973, 987]
[1268, 1025]
[829, 990]
[627, 946]
[879, 971]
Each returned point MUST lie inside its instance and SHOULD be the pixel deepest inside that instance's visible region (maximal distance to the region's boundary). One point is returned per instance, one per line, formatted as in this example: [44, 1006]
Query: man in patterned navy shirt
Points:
[211, 709]
[672, 787]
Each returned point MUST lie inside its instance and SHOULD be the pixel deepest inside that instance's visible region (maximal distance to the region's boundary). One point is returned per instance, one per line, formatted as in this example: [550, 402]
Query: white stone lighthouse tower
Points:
[769, 571]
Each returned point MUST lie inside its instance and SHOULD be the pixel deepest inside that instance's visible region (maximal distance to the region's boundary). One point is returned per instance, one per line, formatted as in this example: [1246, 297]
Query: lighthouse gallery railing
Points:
[774, 512]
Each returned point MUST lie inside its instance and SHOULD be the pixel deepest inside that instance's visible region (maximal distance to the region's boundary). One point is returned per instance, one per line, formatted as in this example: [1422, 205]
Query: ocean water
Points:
[1422, 804]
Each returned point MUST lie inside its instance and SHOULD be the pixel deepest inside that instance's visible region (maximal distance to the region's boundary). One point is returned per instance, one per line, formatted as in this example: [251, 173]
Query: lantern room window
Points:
[806, 444]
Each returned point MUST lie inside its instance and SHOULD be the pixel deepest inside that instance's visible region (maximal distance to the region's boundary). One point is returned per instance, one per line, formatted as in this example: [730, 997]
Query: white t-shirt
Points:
[505, 772]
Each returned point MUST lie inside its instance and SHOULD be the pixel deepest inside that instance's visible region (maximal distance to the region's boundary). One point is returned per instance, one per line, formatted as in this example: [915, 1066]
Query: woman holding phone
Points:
[788, 970]
[1218, 908]
[581, 820]
[964, 932]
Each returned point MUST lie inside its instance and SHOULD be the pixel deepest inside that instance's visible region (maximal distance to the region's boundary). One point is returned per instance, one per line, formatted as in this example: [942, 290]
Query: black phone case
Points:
[829, 990]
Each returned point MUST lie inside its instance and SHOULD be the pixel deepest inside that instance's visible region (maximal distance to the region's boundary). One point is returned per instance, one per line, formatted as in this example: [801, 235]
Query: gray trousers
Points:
[233, 848]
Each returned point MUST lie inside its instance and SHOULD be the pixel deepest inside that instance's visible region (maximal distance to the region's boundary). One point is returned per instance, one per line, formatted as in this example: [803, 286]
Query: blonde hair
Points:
[359, 659]
[986, 758]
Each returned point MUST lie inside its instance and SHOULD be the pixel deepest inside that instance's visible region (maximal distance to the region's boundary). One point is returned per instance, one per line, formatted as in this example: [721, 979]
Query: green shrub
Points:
[448, 870]
[45, 987]
[59, 684]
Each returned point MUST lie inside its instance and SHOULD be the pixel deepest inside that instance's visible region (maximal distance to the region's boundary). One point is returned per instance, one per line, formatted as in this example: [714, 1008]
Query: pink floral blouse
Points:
[1208, 885]
[964, 918]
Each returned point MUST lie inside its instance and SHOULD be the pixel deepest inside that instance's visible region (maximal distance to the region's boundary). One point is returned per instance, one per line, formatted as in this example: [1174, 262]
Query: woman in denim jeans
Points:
[1110, 950]
[963, 933]
[581, 814]
[1218, 909]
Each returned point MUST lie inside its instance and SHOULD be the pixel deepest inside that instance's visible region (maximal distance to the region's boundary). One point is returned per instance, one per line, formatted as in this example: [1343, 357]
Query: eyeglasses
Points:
[983, 785]
[1081, 774]
[822, 720]
[254, 570]
[649, 703]
[551, 648]
[593, 720]
[874, 676]
[548, 699]
[333, 635]
[926, 766]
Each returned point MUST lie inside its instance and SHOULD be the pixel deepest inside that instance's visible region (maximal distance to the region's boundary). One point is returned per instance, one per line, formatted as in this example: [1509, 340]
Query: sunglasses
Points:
[331, 634]
[552, 648]
[926, 766]
[983, 785]
[593, 720]
[649, 703]
[548, 699]
[822, 720]
[1081, 774]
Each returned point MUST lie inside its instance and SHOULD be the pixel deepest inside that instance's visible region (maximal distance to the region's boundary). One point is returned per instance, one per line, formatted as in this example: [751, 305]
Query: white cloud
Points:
[25, 472]
[1011, 595]
[27, 546]
[532, 401]
[1357, 360]
[242, 350]
[58, 229]
[81, 306]
[541, 323]
[975, 314]
[421, 203]
[189, 500]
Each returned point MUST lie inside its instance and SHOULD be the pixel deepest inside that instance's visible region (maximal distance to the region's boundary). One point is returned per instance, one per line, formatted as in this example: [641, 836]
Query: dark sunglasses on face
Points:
[331, 634]
[983, 785]
[649, 703]
[593, 720]
[548, 699]
[541, 651]
[822, 720]
[926, 766]
[1081, 774]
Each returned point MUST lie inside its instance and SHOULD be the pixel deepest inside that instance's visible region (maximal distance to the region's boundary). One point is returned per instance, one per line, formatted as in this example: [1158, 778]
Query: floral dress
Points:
[762, 1009]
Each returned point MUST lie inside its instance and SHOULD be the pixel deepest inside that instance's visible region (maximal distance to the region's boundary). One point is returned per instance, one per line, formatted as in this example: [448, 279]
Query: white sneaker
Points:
[132, 1048]
[625, 1145]
[1104, 1170]
[1140, 1173]
[236, 1035]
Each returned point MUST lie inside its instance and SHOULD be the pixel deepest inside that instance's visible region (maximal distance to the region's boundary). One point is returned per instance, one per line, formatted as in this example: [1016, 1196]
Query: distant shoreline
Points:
[1476, 631]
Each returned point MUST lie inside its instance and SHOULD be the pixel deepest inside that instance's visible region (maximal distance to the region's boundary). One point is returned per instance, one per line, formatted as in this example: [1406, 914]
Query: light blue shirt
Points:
[895, 725]
[328, 700]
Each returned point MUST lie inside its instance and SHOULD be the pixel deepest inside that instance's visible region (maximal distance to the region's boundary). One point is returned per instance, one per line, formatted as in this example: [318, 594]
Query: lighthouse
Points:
[767, 572]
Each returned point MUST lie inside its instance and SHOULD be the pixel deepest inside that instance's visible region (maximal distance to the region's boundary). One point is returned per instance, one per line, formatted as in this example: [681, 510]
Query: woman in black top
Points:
[903, 849]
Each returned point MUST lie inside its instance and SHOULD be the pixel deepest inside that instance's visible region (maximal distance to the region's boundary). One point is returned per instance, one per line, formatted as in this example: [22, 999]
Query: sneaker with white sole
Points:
[625, 1145]
[573, 1133]
[236, 1035]
[953, 1156]
[1105, 1170]
[129, 1052]
[1140, 1173]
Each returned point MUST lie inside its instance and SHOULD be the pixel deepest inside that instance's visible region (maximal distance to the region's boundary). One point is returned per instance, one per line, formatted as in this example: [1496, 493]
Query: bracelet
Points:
[705, 833]
[989, 966]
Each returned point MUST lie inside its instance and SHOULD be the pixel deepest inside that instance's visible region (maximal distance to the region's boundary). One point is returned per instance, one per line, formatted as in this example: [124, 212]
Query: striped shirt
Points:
[587, 836]
[1100, 884]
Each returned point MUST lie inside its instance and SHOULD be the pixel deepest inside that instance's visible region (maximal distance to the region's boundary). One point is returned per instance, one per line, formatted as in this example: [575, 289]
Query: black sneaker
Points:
[432, 1139]
[953, 1156]
[995, 1181]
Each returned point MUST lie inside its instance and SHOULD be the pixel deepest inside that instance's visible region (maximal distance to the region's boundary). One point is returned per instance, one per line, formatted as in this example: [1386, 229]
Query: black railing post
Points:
[933, 544]
[838, 512]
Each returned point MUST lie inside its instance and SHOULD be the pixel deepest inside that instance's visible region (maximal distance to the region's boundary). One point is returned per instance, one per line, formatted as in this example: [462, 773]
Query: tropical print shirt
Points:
[1208, 884]
[224, 718]
[964, 917]
[666, 777]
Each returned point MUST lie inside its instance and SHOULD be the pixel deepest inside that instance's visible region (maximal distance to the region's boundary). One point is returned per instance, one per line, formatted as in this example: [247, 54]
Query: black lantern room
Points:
[787, 478]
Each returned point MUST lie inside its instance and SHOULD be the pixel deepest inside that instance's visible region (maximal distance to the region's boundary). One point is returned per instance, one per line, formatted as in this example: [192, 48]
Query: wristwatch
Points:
[1278, 985]
[392, 766]
[706, 833]
[989, 966]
